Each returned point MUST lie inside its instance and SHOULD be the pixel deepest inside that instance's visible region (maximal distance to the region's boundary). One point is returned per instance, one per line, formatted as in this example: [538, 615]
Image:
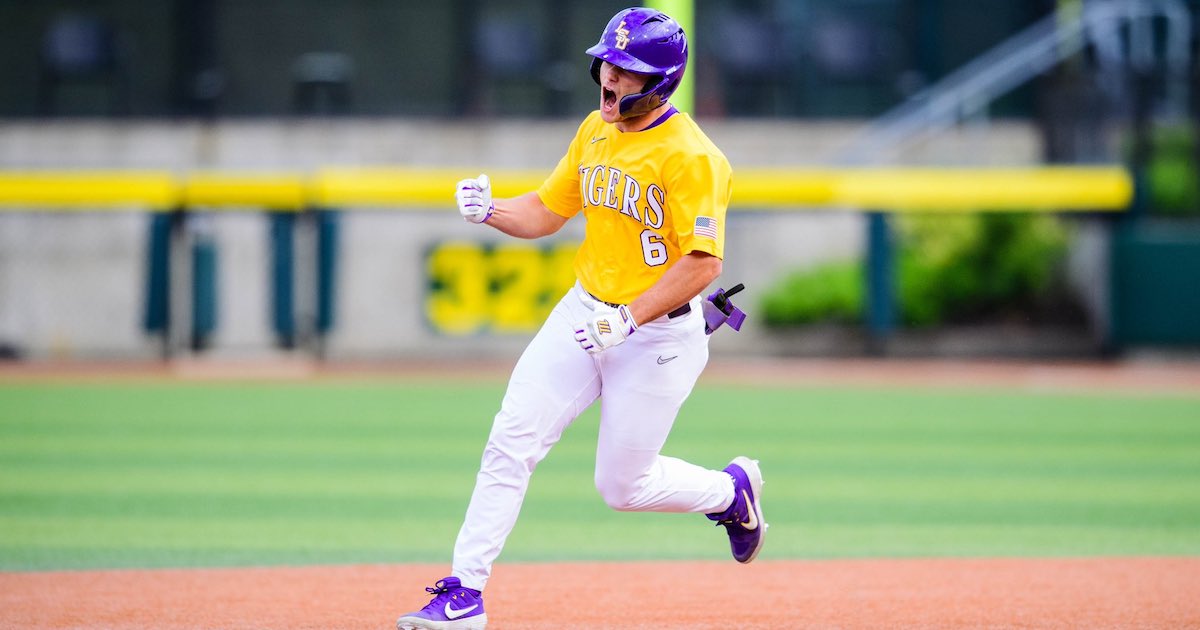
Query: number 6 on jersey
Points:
[654, 251]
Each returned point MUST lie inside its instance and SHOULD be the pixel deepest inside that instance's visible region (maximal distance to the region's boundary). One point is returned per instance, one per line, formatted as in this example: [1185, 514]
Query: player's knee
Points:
[616, 499]
[619, 494]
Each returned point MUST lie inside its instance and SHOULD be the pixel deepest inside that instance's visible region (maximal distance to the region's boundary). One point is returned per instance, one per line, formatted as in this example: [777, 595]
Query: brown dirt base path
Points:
[941, 593]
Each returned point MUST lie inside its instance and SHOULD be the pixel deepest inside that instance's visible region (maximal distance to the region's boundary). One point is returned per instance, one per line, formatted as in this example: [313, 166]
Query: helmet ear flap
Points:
[650, 97]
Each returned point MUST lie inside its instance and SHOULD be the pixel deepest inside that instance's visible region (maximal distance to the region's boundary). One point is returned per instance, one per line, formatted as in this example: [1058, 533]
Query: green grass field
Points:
[202, 474]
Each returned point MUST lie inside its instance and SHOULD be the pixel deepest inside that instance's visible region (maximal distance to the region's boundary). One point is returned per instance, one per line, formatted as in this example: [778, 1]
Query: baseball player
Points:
[653, 190]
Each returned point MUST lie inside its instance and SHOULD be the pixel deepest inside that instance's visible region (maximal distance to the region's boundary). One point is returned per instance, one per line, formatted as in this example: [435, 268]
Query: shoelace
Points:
[439, 592]
[438, 589]
[734, 519]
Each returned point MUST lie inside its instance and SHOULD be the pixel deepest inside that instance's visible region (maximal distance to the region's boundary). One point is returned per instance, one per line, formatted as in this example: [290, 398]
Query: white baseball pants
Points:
[641, 383]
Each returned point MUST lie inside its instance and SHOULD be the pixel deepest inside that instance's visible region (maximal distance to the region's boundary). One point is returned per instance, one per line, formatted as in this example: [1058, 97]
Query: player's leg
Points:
[643, 391]
[552, 383]
[646, 380]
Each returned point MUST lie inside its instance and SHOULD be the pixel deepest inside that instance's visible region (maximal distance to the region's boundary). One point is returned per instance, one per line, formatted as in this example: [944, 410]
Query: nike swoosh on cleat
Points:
[662, 361]
[455, 614]
[751, 522]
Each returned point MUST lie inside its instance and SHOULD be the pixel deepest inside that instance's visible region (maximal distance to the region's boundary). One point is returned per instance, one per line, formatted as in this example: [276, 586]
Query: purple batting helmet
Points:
[645, 41]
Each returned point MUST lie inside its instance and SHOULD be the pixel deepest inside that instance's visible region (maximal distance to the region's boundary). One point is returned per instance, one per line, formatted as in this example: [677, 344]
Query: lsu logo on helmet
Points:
[622, 39]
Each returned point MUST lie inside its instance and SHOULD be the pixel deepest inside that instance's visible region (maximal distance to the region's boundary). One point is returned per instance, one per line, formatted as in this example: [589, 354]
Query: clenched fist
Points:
[474, 198]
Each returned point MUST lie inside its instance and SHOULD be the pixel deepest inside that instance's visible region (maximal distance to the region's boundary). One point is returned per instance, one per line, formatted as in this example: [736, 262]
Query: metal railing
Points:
[967, 91]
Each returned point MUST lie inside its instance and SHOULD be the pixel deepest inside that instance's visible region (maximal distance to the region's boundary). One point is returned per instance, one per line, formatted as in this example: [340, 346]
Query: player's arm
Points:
[683, 281]
[523, 217]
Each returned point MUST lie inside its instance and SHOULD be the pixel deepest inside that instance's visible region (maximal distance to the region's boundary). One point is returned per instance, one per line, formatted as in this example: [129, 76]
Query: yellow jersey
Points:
[650, 197]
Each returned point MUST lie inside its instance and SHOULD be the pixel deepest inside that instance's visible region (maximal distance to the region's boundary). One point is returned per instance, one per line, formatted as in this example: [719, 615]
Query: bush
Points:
[950, 268]
[831, 292]
[957, 268]
[1172, 174]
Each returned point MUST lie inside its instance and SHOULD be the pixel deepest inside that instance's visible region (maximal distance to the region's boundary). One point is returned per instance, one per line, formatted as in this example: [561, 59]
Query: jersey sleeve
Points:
[699, 193]
[561, 191]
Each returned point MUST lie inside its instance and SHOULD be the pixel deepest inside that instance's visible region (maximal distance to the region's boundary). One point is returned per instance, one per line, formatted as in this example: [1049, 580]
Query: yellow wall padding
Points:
[1055, 189]
[423, 188]
[272, 191]
[88, 190]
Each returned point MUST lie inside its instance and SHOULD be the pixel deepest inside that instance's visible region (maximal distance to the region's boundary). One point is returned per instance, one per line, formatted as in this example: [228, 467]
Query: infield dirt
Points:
[918, 593]
[1180, 377]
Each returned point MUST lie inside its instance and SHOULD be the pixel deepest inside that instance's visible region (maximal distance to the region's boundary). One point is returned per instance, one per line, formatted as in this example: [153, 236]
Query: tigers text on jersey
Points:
[650, 197]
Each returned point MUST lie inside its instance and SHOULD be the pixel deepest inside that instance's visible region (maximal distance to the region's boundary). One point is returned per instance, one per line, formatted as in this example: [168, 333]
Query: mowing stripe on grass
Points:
[205, 474]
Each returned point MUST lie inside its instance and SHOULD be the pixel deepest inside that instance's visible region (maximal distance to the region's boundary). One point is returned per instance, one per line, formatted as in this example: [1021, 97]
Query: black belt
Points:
[679, 312]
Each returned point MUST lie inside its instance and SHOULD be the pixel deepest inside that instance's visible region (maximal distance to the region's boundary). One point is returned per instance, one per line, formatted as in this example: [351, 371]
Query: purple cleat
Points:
[743, 520]
[453, 607]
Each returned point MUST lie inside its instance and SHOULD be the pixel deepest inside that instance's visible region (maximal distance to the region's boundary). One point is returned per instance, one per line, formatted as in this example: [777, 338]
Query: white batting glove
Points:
[606, 328]
[474, 198]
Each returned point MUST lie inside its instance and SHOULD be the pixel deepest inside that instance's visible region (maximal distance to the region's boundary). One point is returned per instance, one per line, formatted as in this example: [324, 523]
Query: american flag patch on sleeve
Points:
[706, 227]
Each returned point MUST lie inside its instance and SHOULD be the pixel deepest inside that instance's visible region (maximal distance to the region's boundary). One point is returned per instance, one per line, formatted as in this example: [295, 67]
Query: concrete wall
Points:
[72, 284]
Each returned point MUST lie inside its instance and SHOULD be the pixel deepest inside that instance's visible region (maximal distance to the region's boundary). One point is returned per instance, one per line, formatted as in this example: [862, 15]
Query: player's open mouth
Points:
[608, 99]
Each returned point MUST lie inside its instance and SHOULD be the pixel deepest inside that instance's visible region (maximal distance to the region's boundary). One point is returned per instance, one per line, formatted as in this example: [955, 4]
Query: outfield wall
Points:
[72, 285]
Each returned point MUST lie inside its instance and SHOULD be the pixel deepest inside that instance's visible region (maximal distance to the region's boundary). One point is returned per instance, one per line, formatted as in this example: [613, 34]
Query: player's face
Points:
[615, 84]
